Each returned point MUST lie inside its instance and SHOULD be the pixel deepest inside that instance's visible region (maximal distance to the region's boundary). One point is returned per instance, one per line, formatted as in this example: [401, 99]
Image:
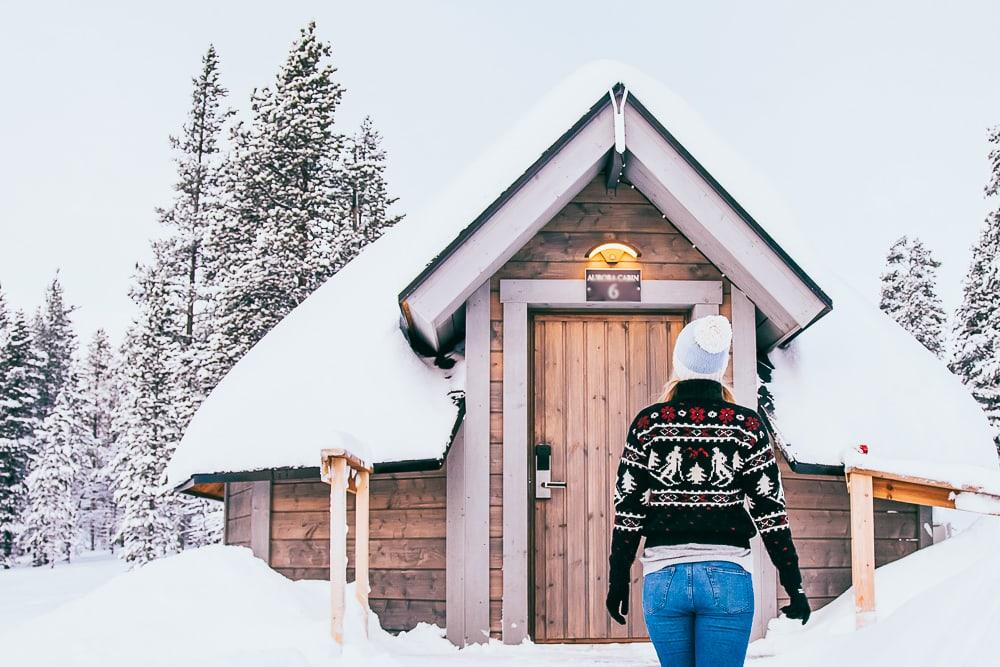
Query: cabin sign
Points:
[614, 285]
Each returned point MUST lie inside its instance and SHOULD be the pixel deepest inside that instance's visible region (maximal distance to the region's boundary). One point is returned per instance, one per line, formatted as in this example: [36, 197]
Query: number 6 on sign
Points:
[613, 284]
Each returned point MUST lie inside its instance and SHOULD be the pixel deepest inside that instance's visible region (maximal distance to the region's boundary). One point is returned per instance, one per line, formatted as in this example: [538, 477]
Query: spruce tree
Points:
[368, 192]
[99, 398]
[147, 425]
[4, 318]
[184, 262]
[20, 382]
[196, 206]
[49, 533]
[56, 342]
[287, 202]
[909, 293]
[975, 355]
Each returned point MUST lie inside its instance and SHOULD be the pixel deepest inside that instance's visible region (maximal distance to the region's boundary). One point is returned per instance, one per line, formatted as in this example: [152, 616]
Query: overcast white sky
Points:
[869, 120]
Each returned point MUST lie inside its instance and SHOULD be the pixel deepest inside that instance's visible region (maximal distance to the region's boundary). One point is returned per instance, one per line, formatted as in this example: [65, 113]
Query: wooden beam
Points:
[514, 615]
[659, 171]
[260, 520]
[511, 225]
[745, 387]
[656, 294]
[862, 547]
[912, 492]
[361, 584]
[225, 513]
[468, 479]
[613, 172]
[455, 525]
[338, 546]
[923, 481]
[704, 310]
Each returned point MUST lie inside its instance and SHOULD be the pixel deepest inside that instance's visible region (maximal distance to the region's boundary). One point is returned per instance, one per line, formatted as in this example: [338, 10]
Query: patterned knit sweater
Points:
[700, 470]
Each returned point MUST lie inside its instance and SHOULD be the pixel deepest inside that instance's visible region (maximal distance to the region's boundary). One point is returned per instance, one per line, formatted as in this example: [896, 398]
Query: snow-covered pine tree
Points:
[56, 342]
[365, 163]
[975, 355]
[909, 292]
[146, 423]
[4, 318]
[185, 262]
[98, 388]
[49, 533]
[196, 206]
[20, 380]
[287, 202]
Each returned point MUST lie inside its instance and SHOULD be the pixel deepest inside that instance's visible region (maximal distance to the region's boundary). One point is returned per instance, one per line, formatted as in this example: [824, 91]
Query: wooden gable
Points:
[686, 197]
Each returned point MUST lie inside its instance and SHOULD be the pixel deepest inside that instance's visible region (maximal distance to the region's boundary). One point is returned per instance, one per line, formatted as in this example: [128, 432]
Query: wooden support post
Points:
[361, 544]
[338, 547]
[862, 547]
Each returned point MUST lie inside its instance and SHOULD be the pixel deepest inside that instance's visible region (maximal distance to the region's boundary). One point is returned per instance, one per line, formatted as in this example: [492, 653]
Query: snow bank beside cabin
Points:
[221, 606]
[856, 377]
[937, 606]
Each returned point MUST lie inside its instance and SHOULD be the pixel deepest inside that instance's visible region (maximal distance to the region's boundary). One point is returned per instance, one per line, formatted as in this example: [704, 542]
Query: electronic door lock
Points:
[543, 472]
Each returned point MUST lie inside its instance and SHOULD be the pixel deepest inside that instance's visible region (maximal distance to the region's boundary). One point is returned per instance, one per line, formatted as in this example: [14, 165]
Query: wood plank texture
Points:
[584, 367]
[862, 547]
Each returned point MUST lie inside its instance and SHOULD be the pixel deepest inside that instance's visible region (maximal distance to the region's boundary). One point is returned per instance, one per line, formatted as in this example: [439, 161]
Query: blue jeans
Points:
[699, 614]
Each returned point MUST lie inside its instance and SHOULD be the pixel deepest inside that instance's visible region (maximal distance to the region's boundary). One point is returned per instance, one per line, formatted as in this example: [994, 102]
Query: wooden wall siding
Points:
[557, 251]
[818, 510]
[238, 505]
[407, 542]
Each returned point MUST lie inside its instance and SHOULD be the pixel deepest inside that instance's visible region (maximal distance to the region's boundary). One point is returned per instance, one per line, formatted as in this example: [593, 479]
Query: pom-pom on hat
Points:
[702, 349]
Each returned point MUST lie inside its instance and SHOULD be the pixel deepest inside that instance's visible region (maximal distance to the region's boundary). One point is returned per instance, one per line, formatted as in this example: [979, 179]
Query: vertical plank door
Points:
[591, 374]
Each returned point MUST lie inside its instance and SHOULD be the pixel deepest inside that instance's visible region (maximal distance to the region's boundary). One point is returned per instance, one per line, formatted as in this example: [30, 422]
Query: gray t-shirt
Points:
[656, 558]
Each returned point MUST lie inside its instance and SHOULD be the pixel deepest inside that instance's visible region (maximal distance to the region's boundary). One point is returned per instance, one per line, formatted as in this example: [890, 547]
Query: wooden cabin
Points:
[466, 537]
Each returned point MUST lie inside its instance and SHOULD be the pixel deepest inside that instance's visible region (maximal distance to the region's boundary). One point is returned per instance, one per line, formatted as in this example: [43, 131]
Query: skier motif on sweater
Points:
[699, 469]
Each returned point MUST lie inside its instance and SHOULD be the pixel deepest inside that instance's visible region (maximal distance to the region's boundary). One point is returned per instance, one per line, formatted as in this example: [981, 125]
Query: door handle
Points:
[543, 472]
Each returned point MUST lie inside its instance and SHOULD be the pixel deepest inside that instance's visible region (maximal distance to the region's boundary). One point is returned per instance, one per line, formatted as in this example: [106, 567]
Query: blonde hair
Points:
[670, 390]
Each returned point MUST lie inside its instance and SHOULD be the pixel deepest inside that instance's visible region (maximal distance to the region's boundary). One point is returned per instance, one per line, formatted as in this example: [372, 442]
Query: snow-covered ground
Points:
[938, 606]
[28, 592]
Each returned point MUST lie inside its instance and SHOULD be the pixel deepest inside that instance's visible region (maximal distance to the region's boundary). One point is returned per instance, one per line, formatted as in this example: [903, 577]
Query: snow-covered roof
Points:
[856, 377]
[338, 371]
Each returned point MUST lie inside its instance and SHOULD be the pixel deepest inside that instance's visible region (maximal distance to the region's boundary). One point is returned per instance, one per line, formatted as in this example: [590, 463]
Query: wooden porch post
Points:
[345, 473]
[338, 547]
[361, 582]
[862, 547]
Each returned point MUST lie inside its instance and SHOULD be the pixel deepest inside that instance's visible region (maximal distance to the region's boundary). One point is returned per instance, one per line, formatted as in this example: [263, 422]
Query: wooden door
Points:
[591, 375]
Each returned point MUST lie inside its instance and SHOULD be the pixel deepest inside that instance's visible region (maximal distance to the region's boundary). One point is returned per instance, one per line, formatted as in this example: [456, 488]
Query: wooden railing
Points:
[864, 485]
[346, 473]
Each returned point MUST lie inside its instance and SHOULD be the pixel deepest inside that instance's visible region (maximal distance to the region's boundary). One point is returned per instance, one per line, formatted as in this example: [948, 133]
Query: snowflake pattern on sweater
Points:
[701, 470]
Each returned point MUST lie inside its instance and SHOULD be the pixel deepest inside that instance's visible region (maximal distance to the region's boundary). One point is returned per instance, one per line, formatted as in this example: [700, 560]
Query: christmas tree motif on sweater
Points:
[737, 461]
[696, 474]
[628, 483]
[654, 460]
[721, 474]
[764, 486]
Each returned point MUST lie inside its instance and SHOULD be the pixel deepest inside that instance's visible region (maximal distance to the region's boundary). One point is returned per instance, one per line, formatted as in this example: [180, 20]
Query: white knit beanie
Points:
[702, 349]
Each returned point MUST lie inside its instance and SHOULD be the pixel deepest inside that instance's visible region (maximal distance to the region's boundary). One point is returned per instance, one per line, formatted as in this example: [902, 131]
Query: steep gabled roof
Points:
[655, 161]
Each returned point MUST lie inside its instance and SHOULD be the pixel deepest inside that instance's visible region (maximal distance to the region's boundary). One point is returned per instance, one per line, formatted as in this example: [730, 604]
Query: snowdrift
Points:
[221, 606]
[937, 606]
